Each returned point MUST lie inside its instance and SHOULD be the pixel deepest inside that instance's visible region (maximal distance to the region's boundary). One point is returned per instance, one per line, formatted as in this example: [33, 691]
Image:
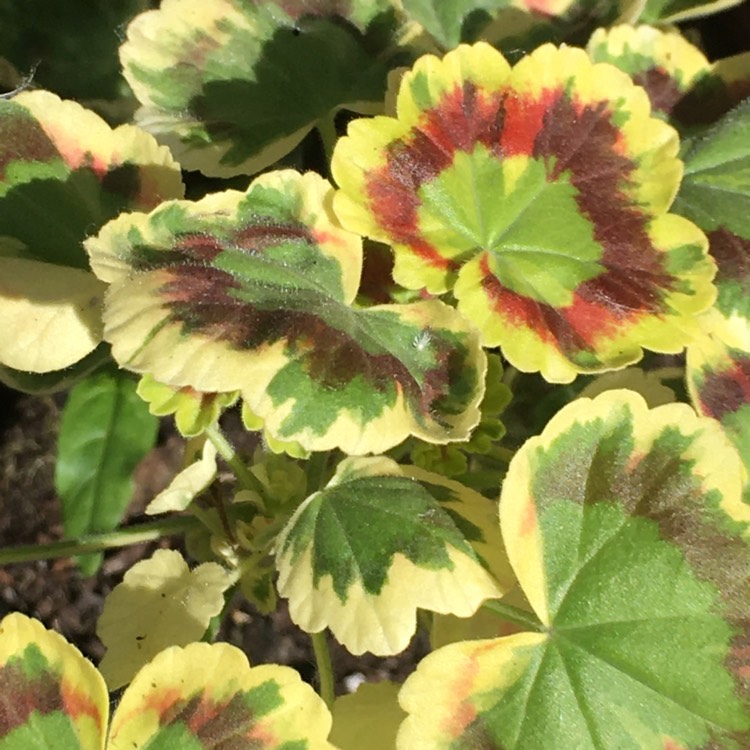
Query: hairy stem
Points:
[227, 451]
[144, 532]
[325, 670]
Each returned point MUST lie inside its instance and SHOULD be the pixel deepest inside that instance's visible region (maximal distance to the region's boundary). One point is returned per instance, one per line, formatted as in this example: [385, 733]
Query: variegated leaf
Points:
[538, 194]
[233, 86]
[683, 86]
[715, 194]
[627, 532]
[206, 696]
[50, 696]
[64, 173]
[436, 549]
[253, 292]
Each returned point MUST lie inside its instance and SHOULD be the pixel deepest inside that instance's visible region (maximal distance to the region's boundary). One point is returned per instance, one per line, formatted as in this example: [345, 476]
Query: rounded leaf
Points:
[626, 529]
[253, 292]
[538, 194]
[160, 603]
[207, 696]
[430, 533]
[50, 695]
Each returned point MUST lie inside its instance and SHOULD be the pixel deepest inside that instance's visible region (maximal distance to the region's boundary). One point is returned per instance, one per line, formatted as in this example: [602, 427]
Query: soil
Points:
[55, 591]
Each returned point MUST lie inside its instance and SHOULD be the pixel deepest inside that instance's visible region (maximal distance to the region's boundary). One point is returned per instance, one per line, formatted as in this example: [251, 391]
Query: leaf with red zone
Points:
[684, 87]
[253, 292]
[208, 696]
[538, 194]
[63, 174]
[50, 696]
[718, 378]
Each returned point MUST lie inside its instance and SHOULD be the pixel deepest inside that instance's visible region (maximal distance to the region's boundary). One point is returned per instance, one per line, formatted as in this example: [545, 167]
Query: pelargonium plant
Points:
[444, 260]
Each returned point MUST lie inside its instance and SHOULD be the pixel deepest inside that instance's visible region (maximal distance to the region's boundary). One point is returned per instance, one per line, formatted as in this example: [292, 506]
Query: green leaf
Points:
[622, 526]
[715, 194]
[453, 22]
[253, 292]
[50, 695]
[160, 603]
[436, 541]
[715, 190]
[681, 83]
[105, 430]
[71, 47]
[206, 696]
[233, 86]
[538, 195]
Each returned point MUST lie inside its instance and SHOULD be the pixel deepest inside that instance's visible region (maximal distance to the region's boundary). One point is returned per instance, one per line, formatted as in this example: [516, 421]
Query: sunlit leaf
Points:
[625, 528]
[207, 696]
[105, 430]
[200, 470]
[434, 539]
[683, 86]
[368, 719]
[538, 194]
[160, 603]
[50, 315]
[253, 292]
[718, 378]
[233, 86]
[50, 696]
[64, 173]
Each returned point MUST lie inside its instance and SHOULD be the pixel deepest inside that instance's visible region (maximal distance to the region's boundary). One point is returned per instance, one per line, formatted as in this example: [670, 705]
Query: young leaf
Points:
[160, 603]
[233, 86]
[193, 411]
[435, 540]
[50, 696]
[105, 430]
[538, 195]
[207, 696]
[64, 173]
[253, 292]
[620, 523]
[199, 472]
[715, 194]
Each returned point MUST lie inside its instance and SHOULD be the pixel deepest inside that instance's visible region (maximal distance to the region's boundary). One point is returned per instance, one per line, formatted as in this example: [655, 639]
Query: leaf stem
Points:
[325, 669]
[228, 452]
[326, 127]
[143, 532]
[316, 471]
[515, 615]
